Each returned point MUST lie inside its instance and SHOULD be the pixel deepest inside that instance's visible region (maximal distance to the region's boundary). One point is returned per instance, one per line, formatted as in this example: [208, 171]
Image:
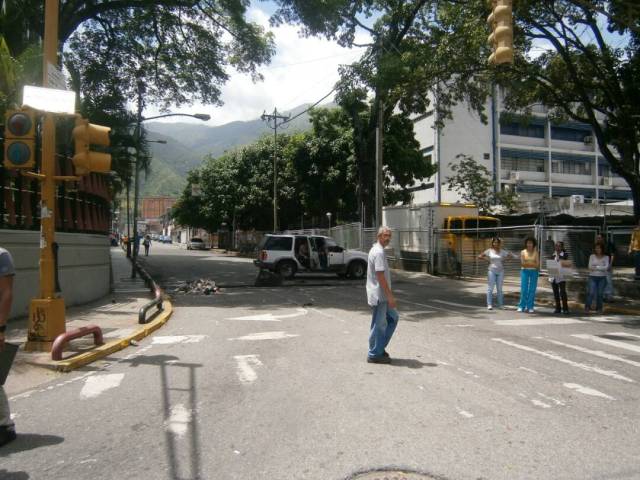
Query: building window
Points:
[571, 164]
[569, 134]
[522, 129]
[523, 160]
[427, 159]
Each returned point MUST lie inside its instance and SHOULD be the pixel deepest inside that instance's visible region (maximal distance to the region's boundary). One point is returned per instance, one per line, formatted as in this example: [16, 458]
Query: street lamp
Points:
[329, 217]
[200, 116]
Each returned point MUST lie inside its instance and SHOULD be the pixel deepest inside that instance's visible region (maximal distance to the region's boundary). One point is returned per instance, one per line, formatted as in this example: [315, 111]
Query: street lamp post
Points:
[200, 116]
[329, 217]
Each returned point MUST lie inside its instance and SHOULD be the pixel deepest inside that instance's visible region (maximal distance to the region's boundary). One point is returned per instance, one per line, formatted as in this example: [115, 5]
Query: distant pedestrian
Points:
[384, 318]
[147, 243]
[598, 267]
[609, 251]
[530, 265]
[495, 276]
[558, 281]
[7, 272]
[634, 249]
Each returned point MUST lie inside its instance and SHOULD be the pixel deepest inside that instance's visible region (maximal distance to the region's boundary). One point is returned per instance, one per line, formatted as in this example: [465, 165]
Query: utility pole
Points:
[379, 174]
[275, 120]
[136, 193]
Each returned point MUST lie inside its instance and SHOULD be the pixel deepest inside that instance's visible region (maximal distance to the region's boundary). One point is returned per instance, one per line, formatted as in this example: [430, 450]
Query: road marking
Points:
[461, 325]
[270, 317]
[266, 336]
[528, 370]
[245, 370]
[452, 304]
[179, 420]
[587, 391]
[625, 334]
[597, 353]
[608, 341]
[98, 384]
[525, 322]
[554, 400]
[558, 358]
[442, 309]
[539, 403]
[168, 340]
[466, 414]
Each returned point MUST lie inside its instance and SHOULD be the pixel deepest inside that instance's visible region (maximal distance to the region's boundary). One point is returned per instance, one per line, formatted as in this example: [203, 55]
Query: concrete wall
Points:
[84, 266]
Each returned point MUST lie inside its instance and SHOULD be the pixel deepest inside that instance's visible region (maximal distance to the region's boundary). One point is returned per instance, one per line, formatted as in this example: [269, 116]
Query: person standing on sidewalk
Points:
[598, 268]
[530, 264]
[495, 277]
[7, 272]
[147, 243]
[384, 317]
[558, 282]
[609, 251]
[634, 249]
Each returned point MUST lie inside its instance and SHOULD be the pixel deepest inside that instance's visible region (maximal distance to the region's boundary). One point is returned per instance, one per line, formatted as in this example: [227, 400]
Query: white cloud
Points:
[303, 70]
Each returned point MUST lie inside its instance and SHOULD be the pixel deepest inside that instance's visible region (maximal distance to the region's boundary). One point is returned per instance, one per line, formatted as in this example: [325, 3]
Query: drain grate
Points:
[393, 475]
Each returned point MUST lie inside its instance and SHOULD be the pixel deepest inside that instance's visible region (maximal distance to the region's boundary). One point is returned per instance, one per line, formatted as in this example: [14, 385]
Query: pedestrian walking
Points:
[598, 267]
[147, 243]
[7, 272]
[634, 249]
[530, 265]
[558, 281]
[609, 251]
[384, 315]
[495, 277]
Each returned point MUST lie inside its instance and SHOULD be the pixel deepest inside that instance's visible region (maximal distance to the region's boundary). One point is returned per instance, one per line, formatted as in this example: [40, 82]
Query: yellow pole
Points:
[46, 313]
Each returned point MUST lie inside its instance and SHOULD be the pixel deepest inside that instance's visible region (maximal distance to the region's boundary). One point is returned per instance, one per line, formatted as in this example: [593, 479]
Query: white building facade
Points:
[532, 155]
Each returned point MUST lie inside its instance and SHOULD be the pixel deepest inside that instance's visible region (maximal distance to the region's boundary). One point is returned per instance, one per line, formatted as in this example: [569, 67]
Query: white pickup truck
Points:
[289, 254]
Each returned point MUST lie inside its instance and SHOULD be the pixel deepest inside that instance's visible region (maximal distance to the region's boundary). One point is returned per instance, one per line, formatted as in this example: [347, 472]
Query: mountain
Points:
[188, 144]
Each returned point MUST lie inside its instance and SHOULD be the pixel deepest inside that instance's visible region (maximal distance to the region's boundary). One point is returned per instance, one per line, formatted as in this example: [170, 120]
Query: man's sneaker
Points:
[7, 435]
[533, 310]
[519, 309]
[385, 354]
[380, 359]
[489, 307]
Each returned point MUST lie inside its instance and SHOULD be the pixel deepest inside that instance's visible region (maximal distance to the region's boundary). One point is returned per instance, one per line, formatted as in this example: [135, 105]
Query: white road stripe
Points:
[245, 370]
[270, 317]
[169, 340]
[463, 305]
[266, 336]
[554, 400]
[608, 341]
[525, 322]
[466, 414]
[179, 420]
[442, 309]
[558, 358]
[587, 391]
[98, 384]
[538, 403]
[597, 353]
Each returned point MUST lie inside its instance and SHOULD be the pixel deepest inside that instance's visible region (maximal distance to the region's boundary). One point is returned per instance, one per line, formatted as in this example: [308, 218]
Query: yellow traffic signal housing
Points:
[501, 39]
[20, 139]
[85, 160]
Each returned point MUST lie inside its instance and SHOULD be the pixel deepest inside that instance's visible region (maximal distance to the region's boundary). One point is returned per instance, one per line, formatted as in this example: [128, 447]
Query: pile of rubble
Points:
[202, 286]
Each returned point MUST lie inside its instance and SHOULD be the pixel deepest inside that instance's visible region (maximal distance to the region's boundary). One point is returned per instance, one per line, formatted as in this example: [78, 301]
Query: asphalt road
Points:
[272, 383]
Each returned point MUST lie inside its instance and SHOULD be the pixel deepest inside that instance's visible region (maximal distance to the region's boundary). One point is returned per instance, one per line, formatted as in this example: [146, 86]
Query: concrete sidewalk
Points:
[116, 314]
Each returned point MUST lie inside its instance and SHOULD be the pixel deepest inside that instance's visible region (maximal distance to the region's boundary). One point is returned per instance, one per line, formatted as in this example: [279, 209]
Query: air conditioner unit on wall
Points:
[577, 198]
[607, 181]
[588, 140]
[514, 176]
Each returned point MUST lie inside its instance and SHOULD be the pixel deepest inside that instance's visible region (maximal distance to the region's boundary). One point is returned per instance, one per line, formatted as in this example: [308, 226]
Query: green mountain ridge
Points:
[189, 143]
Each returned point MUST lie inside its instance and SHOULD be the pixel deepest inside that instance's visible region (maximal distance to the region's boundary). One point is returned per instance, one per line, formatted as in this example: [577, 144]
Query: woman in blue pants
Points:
[530, 263]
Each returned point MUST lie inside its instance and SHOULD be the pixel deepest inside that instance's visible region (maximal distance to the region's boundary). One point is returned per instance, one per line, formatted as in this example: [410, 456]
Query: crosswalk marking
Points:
[266, 336]
[524, 322]
[597, 353]
[608, 341]
[98, 384]
[558, 358]
[245, 371]
[587, 391]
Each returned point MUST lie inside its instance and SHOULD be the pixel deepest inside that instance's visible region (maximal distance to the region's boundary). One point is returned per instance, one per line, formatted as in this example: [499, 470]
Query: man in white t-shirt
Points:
[7, 272]
[384, 317]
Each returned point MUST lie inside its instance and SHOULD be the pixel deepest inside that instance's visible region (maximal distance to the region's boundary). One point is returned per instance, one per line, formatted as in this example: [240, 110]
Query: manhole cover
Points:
[393, 475]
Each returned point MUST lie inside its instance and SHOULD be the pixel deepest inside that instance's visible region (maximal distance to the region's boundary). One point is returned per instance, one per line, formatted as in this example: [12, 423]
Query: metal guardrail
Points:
[155, 289]
[64, 338]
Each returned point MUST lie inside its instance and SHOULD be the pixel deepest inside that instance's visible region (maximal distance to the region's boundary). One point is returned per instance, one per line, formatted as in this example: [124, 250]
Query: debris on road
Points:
[202, 286]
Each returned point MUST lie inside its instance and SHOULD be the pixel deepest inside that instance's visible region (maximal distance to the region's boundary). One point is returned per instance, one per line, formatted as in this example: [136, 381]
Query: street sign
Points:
[55, 77]
[49, 99]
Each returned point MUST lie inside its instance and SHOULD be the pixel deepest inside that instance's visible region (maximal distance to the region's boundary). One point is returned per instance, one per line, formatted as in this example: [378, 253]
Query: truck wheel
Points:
[357, 270]
[286, 269]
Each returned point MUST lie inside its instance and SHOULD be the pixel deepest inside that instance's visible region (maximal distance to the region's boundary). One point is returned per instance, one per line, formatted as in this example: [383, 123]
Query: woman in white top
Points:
[495, 255]
[598, 268]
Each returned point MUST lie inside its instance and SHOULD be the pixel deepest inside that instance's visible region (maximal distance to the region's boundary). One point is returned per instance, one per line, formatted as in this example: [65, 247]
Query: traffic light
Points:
[20, 139]
[501, 39]
[85, 160]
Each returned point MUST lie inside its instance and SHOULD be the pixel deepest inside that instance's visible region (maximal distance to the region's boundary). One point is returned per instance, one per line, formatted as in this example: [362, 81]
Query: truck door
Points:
[335, 254]
[316, 245]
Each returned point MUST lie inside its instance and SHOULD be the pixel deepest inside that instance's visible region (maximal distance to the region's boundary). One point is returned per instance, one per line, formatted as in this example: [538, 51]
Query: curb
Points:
[580, 306]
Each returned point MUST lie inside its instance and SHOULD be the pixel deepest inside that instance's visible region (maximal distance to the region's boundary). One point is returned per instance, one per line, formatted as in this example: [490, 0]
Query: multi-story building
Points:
[532, 155]
[154, 209]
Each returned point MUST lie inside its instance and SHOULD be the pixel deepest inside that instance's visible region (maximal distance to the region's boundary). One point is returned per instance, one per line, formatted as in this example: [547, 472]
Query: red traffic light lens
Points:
[19, 124]
[18, 153]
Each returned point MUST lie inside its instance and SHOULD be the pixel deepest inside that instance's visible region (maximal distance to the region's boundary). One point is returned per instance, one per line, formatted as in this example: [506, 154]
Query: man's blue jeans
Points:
[384, 321]
[595, 290]
[528, 286]
[495, 279]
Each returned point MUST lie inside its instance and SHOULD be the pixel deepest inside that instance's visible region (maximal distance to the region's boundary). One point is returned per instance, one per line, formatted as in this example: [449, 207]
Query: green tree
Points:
[473, 182]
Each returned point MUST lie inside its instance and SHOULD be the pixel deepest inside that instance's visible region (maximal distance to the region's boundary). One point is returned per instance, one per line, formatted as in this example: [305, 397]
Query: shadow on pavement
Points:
[410, 363]
[29, 441]
[6, 475]
[184, 418]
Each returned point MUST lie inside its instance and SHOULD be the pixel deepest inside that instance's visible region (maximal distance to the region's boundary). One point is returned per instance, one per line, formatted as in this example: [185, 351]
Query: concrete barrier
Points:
[84, 267]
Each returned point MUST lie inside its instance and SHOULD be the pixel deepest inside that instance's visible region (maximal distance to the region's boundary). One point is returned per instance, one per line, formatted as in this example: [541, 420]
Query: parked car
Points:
[197, 244]
[289, 254]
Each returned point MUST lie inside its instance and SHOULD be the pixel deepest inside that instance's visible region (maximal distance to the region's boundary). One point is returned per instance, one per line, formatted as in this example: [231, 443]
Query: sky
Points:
[303, 70]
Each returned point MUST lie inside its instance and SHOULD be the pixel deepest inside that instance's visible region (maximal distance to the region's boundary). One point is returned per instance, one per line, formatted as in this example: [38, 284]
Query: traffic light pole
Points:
[47, 313]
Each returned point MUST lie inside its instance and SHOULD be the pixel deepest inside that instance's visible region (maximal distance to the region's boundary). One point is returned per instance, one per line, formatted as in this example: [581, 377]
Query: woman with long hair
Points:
[598, 268]
[530, 265]
[495, 255]
[558, 282]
